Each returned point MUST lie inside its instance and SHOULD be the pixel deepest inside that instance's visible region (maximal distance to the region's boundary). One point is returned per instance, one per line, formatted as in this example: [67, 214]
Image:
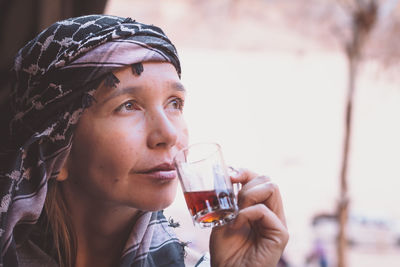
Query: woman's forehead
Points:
[125, 80]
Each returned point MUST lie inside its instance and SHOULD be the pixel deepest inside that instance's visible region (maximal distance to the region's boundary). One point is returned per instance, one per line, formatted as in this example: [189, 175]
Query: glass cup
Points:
[206, 185]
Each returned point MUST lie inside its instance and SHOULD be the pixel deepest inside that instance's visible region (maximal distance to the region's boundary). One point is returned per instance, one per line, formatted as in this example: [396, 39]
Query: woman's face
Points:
[125, 142]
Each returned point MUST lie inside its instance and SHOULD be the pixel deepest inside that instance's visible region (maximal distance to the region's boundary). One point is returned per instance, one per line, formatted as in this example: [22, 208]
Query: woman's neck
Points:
[101, 228]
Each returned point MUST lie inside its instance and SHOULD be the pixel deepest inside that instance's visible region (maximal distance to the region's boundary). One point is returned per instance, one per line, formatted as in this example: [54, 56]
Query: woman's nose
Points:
[162, 131]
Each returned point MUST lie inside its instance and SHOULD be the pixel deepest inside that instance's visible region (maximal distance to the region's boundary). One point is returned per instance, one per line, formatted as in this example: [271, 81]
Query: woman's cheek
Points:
[184, 136]
[124, 148]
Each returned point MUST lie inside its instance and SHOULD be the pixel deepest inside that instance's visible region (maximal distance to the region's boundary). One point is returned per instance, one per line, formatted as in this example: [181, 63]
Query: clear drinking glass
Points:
[206, 185]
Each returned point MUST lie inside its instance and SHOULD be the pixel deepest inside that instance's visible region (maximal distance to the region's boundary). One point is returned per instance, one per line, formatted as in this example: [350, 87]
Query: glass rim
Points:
[187, 148]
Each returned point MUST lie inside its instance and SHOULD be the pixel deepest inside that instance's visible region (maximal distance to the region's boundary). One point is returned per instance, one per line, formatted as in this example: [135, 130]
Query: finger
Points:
[256, 181]
[269, 225]
[266, 193]
[269, 196]
[243, 176]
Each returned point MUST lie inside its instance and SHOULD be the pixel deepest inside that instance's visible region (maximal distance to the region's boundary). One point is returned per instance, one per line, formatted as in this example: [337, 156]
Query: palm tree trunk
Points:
[343, 205]
[364, 18]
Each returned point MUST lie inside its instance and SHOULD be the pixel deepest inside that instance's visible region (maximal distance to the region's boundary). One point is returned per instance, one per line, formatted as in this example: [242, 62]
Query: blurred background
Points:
[305, 91]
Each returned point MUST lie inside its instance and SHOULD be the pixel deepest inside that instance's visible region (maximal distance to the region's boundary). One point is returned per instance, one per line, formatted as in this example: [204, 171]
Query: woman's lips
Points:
[164, 171]
[163, 175]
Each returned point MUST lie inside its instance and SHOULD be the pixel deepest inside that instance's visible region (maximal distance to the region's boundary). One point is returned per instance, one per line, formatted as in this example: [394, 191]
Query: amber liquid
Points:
[210, 208]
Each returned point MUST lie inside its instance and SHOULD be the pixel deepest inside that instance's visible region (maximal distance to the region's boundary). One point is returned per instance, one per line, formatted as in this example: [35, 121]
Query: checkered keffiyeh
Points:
[55, 76]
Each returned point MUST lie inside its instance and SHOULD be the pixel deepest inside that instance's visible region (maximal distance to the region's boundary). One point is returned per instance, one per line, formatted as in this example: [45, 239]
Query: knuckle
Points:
[285, 238]
[273, 187]
[270, 188]
[264, 179]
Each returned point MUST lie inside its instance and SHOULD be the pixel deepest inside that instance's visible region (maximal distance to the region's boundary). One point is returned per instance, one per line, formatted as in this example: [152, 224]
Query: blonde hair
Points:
[59, 224]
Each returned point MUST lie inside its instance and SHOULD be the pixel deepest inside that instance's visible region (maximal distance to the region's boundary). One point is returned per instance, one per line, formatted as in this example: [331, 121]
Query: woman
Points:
[93, 125]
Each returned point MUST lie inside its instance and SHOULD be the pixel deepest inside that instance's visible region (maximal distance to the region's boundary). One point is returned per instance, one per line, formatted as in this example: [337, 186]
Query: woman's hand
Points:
[258, 235]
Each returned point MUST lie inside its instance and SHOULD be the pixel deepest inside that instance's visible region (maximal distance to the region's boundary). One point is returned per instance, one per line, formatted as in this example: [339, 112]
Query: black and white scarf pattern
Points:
[55, 76]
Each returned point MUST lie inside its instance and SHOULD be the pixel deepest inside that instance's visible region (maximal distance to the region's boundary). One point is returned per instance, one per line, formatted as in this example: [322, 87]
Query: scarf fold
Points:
[55, 76]
[154, 233]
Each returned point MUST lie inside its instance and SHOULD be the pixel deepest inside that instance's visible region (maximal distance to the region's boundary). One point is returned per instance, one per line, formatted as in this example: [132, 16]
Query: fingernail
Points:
[232, 172]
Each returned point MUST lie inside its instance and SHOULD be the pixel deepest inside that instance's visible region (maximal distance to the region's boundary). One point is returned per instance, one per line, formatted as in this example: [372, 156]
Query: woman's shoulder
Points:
[30, 255]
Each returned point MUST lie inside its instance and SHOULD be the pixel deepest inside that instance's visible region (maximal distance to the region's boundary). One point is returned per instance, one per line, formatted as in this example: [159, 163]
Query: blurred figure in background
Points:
[317, 256]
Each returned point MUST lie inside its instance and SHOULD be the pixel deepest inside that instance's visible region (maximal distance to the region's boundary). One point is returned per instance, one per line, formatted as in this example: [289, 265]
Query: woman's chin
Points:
[159, 204]
[154, 200]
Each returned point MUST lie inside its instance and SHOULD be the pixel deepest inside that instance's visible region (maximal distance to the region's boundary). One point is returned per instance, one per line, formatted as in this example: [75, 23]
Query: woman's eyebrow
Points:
[131, 89]
[122, 91]
[178, 86]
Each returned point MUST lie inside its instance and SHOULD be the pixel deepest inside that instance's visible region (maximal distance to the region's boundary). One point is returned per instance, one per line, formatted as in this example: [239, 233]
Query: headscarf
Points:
[55, 76]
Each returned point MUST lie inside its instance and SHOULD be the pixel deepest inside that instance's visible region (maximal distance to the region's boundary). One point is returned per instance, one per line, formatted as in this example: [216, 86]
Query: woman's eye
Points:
[177, 103]
[128, 106]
